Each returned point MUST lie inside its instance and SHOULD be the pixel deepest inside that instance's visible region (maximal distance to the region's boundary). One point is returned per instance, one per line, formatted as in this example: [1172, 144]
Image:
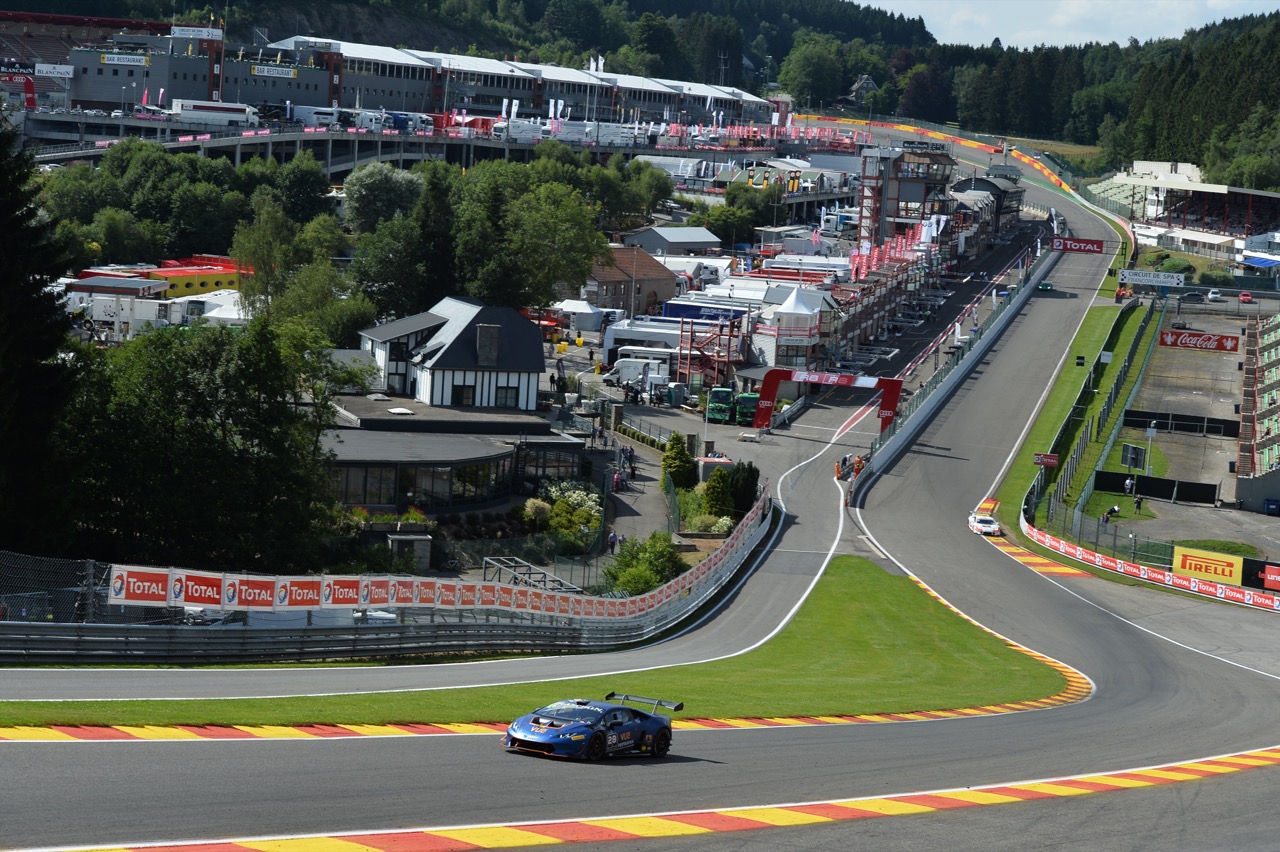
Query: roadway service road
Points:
[1156, 703]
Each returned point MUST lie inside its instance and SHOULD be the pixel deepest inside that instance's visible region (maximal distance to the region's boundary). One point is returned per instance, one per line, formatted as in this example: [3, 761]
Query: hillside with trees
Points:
[1204, 98]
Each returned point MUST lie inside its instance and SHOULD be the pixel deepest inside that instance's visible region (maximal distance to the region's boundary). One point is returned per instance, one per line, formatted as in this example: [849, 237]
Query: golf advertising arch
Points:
[890, 391]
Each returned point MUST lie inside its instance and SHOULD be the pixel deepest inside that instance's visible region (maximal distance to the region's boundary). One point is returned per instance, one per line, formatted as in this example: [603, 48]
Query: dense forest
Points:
[1204, 98]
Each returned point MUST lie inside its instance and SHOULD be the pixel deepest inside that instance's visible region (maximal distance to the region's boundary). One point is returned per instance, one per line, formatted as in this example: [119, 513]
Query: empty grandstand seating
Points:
[1259, 452]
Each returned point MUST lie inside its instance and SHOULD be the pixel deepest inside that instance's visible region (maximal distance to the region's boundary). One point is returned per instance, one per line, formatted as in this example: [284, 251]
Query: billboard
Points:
[1076, 245]
[1200, 340]
[1207, 565]
[1151, 279]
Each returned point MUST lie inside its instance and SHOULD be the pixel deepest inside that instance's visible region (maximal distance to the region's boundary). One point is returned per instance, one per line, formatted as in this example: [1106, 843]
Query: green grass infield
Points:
[865, 642]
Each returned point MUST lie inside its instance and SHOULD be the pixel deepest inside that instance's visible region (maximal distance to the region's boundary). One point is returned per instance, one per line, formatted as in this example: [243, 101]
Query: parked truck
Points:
[215, 113]
[720, 405]
[628, 371]
[528, 131]
[747, 403]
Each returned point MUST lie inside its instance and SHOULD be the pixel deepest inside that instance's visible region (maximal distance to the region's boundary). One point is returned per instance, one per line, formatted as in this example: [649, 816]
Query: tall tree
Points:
[554, 240]
[265, 247]
[35, 383]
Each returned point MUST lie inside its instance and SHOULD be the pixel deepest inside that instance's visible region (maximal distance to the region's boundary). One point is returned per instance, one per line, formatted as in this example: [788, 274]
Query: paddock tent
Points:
[583, 316]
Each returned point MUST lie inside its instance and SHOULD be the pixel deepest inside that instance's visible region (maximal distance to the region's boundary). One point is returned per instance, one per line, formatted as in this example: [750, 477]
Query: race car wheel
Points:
[662, 743]
[596, 748]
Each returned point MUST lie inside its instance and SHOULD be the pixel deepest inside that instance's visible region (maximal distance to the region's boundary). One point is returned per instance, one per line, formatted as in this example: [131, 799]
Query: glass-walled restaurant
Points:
[438, 486]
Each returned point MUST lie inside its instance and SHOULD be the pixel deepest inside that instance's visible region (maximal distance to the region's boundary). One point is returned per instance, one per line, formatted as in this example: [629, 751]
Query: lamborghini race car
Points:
[582, 728]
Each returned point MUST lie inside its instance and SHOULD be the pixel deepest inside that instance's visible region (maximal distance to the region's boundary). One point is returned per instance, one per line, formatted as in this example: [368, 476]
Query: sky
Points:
[1027, 23]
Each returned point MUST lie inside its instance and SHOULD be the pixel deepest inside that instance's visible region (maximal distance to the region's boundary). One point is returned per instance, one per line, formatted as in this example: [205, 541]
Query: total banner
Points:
[139, 585]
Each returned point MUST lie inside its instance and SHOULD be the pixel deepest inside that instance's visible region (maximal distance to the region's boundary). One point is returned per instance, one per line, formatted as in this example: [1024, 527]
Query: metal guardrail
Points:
[430, 631]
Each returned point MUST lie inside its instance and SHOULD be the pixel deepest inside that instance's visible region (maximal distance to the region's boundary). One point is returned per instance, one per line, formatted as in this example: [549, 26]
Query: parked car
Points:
[1215, 296]
[1245, 297]
[1191, 296]
[117, 113]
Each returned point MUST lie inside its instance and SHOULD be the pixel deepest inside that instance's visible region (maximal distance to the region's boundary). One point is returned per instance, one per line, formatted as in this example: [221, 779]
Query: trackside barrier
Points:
[1160, 576]
[460, 617]
[917, 413]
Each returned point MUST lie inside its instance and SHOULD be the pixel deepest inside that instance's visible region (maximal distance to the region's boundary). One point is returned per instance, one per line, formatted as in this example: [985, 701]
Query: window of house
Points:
[507, 397]
[463, 395]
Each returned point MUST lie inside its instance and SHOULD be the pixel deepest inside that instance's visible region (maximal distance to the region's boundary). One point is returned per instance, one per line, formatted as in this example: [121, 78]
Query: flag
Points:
[644, 376]
[515, 107]
[600, 64]
[815, 239]
[506, 102]
[775, 118]
[145, 91]
[708, 103]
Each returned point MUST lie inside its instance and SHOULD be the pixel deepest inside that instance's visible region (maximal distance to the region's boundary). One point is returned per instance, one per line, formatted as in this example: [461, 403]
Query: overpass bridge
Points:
[57, 139]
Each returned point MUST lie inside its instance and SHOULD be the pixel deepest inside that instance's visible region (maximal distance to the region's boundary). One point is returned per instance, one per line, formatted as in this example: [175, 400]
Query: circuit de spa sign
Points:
[1200, 340]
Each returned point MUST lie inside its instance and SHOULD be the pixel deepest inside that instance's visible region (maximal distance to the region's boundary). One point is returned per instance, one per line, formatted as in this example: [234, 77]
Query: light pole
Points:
[1151, 433]
[122, 88]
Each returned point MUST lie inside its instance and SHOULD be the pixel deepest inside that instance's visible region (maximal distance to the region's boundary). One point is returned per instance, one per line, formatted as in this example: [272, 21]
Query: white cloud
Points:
[1028, 23]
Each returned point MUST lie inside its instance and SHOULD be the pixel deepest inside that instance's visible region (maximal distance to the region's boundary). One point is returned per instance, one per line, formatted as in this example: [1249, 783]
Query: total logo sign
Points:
[140, 586]
[1070, 244]
[192, 589]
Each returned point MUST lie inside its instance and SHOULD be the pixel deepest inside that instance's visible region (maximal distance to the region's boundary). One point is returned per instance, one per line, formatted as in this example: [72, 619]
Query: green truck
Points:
[720, 405]
[747, 403]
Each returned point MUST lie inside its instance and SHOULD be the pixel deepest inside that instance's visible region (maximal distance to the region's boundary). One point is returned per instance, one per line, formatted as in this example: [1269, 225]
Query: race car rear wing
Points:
[654, 703]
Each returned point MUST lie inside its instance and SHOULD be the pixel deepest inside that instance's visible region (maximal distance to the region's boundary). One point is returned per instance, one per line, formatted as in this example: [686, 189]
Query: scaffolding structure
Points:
[709, 357]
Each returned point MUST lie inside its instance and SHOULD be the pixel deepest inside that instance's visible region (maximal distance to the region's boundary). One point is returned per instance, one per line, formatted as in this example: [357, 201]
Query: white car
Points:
[1215, 296]
[984, 525]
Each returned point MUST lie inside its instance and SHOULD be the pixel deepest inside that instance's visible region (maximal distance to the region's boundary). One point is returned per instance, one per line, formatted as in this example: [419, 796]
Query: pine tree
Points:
[678, 464]
[35, 383]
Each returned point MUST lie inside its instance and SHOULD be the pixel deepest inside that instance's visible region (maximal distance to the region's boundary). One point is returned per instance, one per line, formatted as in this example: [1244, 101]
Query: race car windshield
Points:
[570, 712]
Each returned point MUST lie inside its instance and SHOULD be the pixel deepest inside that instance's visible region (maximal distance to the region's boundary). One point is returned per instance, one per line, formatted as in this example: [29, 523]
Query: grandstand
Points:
[29, 38]
[1259, 452]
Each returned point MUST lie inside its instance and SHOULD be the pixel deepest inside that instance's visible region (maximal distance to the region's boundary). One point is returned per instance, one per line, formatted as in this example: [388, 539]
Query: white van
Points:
[628, 371]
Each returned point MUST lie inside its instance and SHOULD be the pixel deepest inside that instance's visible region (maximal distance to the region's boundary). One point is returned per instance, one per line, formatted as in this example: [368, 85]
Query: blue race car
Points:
[581, 728]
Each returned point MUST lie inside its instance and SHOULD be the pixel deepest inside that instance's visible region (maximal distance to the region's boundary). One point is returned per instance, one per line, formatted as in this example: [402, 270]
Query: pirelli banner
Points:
[1229, 578]
[1207, 565]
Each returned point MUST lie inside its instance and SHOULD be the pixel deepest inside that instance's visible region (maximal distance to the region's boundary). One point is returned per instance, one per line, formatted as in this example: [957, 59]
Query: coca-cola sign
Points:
[1200, 340]
[1071, 244]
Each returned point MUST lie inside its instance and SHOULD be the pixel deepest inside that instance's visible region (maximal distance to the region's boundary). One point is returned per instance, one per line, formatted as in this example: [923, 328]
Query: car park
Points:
[1245, 297]
[1191, 296]
[984, 524]
[593, 730]
[1215, 296]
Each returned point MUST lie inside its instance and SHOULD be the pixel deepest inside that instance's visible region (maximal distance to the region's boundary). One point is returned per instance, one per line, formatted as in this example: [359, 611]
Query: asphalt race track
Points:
[1156, 702]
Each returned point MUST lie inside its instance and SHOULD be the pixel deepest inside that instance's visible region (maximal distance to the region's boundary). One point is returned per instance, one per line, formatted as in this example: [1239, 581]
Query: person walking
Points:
[613, 541]
[1128, 485]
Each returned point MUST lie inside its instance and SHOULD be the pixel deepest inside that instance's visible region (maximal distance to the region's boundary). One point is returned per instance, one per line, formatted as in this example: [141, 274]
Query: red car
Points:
[1245, 297]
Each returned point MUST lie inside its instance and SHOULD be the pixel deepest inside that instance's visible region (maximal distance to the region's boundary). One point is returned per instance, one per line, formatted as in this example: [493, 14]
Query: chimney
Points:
[487, 337]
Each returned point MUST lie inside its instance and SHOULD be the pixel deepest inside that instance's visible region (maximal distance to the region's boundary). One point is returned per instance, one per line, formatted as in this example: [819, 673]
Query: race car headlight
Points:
[573, 736]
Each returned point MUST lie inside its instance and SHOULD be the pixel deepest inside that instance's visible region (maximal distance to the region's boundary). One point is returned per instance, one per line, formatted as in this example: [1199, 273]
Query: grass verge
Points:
[865, 642]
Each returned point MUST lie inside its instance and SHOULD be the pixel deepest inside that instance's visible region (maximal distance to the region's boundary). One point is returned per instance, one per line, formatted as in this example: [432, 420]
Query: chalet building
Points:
[635, 282]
